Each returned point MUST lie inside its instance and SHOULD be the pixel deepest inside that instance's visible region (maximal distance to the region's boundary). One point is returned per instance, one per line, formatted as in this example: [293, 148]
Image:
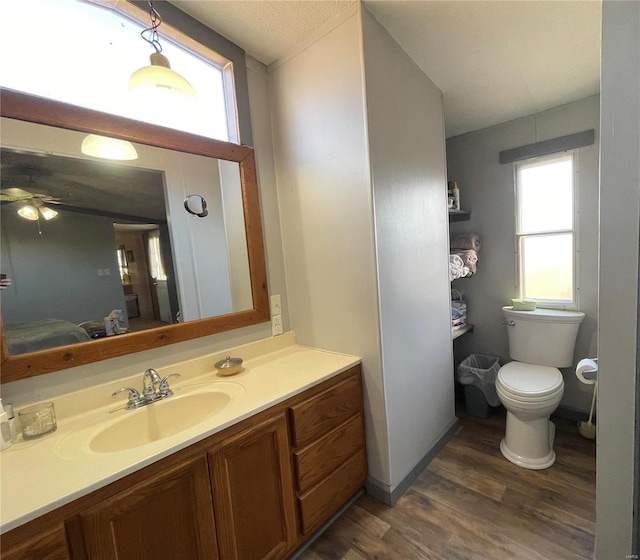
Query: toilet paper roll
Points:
[586, 367]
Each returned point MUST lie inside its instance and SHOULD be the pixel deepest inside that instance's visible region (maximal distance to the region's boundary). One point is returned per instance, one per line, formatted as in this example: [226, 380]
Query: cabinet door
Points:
[169, 516]
[48, 545]
[253, 493]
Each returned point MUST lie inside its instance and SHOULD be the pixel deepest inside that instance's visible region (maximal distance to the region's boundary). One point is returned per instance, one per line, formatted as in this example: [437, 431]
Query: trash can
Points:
[478, 373]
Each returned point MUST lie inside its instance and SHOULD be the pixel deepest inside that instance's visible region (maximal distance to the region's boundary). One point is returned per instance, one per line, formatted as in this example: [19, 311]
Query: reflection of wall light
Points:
[108, 148]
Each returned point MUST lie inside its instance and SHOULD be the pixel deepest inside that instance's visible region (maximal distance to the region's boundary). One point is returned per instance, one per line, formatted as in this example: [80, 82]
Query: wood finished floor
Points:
[471, 503]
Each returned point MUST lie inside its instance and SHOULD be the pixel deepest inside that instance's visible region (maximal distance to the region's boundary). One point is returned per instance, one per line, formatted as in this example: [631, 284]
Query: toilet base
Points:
[528, 442]
[537, 464]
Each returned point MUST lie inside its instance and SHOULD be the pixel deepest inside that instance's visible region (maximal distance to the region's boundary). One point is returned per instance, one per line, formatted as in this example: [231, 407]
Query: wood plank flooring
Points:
[472, 504]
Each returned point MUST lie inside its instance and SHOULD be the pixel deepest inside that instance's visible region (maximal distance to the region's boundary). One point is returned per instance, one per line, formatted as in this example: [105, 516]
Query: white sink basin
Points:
[158, 421]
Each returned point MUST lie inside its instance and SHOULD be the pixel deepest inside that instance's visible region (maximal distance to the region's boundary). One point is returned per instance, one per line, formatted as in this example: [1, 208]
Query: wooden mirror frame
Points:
[24, 107]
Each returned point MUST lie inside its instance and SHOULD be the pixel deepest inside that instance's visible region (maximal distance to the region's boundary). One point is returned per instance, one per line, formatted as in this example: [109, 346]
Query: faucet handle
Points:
[135, 400]
[164, 388]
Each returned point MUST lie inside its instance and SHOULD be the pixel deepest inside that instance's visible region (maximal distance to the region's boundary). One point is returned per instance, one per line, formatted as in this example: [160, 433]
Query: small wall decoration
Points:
[130, 256]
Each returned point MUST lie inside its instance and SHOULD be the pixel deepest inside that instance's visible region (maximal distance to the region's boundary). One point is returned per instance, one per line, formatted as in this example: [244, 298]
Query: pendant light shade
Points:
[157, 85]
[158, 78]
[108, 148]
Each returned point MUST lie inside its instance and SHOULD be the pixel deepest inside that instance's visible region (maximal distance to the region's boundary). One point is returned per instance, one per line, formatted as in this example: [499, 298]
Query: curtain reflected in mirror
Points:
[121, 255]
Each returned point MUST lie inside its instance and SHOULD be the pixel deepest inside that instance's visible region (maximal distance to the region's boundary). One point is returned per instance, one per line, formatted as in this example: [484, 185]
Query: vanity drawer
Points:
[323, 500]
[323, 412]
[319, 459]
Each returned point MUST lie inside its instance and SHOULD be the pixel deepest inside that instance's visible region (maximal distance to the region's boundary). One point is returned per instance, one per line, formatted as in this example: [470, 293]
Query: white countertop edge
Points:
[20, 519]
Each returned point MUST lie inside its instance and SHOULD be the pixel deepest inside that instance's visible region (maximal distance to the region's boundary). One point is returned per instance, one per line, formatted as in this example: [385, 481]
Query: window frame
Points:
[182, 40]
[226, 95]
[574, 230]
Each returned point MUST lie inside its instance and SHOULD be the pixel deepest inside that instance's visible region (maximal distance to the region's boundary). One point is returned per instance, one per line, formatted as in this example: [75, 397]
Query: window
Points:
[84, 54]
[156, 264]
[546, 232]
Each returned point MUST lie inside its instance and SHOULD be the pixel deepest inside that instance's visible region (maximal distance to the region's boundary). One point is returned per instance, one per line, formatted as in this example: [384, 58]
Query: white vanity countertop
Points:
[40, 475]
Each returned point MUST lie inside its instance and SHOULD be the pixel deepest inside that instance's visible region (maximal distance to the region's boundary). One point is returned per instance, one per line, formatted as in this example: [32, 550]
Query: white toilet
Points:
[531, 387]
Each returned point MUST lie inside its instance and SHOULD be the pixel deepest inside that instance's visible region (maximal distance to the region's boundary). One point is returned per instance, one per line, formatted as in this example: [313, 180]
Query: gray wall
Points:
[487, 190]
[55, 275]
[618, 318]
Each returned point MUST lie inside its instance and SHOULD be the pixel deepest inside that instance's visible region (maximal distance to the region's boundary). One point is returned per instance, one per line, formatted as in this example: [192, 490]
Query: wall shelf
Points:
[459, 215]
[459, 332]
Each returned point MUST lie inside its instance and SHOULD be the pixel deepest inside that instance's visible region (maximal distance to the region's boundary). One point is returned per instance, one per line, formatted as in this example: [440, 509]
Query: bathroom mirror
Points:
[200, 254]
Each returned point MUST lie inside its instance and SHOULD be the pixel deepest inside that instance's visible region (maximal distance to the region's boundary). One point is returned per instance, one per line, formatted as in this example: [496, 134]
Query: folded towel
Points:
[456, 265]
[466, 241]
[469, 258]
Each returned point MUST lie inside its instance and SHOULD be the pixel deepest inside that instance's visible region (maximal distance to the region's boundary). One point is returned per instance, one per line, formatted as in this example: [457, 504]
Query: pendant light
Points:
[158, 79]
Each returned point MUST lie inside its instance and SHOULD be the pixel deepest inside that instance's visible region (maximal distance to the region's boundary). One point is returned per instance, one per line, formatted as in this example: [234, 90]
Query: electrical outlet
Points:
[100, 272]
[276, 305]
[276, 325]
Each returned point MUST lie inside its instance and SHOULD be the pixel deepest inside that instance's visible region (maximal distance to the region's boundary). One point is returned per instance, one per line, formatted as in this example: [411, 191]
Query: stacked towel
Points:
[456, 267]
[466, 241]
[469, 259]
[465, 246]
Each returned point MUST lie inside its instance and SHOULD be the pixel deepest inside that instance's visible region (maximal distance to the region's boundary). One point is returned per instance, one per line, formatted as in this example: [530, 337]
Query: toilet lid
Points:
[529, 379]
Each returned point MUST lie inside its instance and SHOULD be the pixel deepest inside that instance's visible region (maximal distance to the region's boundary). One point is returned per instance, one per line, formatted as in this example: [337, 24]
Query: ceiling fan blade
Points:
[15, 193]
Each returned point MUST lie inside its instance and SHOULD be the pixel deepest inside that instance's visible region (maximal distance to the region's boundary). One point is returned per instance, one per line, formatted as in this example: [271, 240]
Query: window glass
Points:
[546, 196]
[545, 230]
[547, 264]
[84, 54]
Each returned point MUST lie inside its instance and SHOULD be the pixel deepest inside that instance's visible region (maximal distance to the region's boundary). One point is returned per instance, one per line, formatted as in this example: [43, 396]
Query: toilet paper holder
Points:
[587, 370]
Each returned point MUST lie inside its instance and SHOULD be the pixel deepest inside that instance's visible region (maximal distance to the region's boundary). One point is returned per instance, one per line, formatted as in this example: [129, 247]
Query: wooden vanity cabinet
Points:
[255, 491]
[169, 515]
[48, 544]
[329, 453]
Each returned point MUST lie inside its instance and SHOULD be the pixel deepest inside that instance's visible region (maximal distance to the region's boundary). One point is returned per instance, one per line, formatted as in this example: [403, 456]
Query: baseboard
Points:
[391, 496]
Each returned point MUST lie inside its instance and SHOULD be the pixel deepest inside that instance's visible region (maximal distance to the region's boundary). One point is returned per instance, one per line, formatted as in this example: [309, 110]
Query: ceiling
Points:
[493, 60]
[95, 187]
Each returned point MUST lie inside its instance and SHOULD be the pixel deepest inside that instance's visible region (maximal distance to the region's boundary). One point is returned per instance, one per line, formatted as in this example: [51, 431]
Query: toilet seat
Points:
[529, 382]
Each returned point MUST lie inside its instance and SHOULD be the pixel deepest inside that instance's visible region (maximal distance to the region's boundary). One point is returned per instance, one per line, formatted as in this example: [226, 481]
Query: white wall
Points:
[618, 316]
[359, 151]
[406, 140]
[487, 190]
[326, 210]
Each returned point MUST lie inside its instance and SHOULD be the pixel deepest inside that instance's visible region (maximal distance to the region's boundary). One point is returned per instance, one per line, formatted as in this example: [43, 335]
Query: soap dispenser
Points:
[5, 429]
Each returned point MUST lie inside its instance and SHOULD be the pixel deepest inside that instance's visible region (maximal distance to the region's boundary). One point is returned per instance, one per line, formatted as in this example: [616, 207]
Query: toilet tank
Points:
[544, 337]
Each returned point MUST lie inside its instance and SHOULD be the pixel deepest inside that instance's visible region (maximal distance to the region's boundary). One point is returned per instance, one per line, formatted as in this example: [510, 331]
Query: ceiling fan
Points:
[32, 205]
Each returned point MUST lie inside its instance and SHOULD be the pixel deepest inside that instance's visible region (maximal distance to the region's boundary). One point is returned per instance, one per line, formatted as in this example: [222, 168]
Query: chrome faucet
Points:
[150, 383]
[153, 389]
